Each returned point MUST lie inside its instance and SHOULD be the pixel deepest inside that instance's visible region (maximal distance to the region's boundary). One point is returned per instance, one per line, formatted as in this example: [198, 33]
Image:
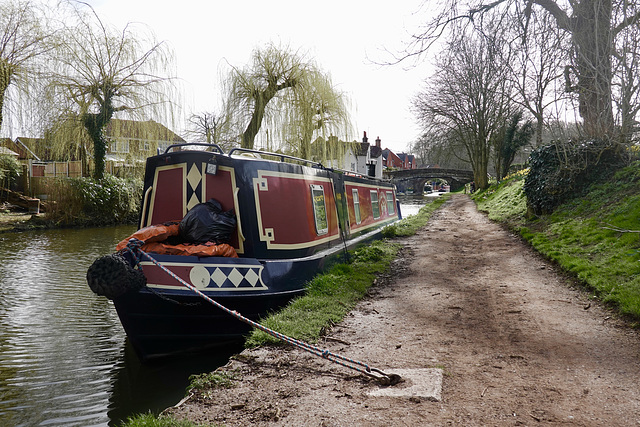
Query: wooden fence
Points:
[36, 176]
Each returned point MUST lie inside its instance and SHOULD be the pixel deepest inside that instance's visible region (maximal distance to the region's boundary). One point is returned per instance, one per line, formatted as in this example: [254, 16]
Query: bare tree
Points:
[102, 71]
[626, 79]
[289, 94]
[440, 149]
[211, 128]
[537, 67]
[468, 96]
[592, 27]
[23, 38]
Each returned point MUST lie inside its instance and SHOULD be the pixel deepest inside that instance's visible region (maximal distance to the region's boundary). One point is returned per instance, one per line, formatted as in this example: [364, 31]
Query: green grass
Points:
[330, 296]
[594, 238]
[150, 420]
[211, 380]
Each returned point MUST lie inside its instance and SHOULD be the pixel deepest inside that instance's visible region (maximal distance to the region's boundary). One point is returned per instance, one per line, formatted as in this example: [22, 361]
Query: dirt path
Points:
[517, 346]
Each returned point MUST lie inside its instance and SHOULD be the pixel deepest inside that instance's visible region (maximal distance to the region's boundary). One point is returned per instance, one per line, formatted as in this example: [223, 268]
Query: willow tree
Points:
[102, 71]
[23, 38]
[292, 97]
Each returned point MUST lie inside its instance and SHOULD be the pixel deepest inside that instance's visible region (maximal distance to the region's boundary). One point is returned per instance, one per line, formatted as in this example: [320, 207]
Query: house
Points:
[29, 148]
[131, 140]
[4, 151]
[367, 158]
[364, 158]
[408, 161]
[358, 157]
[398, 161]
[390, 159]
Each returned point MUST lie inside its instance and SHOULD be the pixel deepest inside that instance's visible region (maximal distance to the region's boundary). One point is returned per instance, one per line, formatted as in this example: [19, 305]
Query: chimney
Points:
[378, 141]
[364, 138]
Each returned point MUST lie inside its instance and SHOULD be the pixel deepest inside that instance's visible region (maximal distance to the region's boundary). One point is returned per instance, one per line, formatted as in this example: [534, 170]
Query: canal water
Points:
[64, 357]
[410, 204]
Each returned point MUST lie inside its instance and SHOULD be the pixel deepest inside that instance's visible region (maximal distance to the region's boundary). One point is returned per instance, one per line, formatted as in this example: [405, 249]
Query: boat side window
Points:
[356, 205]
[319, 209]
[390, 204]
[375, 206]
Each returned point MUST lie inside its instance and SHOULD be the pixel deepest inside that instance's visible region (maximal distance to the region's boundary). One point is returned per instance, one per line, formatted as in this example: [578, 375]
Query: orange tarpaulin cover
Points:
[154, 235]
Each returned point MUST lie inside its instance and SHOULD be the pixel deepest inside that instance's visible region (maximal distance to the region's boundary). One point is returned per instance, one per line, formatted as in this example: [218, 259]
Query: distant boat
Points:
[291, 217]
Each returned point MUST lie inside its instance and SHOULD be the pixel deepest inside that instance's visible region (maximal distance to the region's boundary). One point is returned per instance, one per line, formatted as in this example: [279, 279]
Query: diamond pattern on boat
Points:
[193, 201]
[218, 277]
[229, 277]
[194, 176]
[224, 274]
[235, 277]
[252, 277]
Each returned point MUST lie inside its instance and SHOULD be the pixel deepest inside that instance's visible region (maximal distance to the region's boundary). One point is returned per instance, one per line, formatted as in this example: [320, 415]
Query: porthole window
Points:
[390, 205]
[356, 206]
[375, 206]
[319, 209]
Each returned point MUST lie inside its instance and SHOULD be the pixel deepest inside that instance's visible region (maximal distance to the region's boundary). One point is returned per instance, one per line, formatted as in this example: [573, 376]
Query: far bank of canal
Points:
[64, 358]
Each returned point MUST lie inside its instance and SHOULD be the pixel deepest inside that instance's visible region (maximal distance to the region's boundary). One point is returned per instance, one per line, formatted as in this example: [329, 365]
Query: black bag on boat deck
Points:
[207, 222]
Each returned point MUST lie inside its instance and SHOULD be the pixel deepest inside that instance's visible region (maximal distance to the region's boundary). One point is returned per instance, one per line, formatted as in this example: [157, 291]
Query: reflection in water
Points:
[63, 358]
[411, 204]
[139, 388]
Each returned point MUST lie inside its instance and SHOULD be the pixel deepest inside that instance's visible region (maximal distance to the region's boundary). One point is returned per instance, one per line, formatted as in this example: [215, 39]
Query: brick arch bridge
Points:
[416, 178]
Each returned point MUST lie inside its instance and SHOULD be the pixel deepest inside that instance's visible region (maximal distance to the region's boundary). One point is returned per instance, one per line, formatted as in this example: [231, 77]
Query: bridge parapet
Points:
[415, 178]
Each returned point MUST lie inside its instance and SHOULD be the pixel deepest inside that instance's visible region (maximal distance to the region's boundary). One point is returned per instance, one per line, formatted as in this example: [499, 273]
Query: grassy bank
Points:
[333, 294]
[330, 297]
[595, 238]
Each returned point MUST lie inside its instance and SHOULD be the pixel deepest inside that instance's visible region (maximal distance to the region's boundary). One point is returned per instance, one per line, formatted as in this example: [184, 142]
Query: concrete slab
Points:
[423, 383]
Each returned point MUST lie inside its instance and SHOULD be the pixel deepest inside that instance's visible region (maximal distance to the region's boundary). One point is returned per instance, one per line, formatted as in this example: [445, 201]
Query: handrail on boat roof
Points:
[203, 144]
[281, 156]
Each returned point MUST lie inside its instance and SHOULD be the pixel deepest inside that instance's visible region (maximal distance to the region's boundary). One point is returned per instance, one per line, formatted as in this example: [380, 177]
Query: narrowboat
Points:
[291, 217]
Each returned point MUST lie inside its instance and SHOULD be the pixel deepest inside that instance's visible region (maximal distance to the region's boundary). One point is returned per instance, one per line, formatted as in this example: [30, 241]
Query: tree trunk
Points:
[261, 100]
[95, 123]
[94, 126]
[591, 30]
[592, 39]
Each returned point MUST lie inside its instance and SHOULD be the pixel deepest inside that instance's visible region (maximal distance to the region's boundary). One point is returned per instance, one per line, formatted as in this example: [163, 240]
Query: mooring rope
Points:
[135, 247]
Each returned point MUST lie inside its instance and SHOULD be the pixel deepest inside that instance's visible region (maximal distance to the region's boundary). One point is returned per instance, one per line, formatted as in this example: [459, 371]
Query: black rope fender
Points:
[112, 276]
[381, 377]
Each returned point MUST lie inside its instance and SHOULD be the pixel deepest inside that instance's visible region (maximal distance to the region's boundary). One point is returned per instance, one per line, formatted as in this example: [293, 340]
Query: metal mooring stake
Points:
[381, 377]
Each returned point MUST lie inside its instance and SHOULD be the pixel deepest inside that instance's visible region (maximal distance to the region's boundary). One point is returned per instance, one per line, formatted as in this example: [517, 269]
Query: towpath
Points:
[516, 345]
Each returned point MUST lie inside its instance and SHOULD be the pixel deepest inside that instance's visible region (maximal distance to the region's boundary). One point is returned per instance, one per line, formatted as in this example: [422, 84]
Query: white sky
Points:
[342, 36]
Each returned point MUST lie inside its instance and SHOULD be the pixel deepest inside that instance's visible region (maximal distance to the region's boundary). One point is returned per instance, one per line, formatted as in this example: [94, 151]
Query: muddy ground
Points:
[517, 343]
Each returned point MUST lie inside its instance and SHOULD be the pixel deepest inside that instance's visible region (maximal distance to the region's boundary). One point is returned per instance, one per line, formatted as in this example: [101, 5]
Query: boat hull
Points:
[173, 324]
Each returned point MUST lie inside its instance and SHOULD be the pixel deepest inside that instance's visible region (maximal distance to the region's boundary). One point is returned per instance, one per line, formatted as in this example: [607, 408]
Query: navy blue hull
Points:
[162, 326]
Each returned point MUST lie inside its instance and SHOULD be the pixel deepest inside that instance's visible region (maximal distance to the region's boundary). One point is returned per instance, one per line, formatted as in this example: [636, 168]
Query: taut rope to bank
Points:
[134, 246]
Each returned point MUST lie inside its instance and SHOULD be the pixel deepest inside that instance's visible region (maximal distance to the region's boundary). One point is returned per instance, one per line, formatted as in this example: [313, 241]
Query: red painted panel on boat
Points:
[366, 210]
[287, 208]
[220, 187]
[156, 276]
[168, 200]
